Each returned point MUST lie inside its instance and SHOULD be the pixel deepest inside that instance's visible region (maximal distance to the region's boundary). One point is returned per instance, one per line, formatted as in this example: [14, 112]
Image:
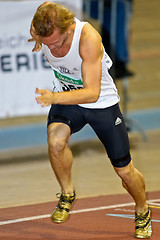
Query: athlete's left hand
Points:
[46, 97]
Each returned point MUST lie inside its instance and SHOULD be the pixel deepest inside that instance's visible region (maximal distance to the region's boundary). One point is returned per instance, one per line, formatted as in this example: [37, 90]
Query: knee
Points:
[125, 173]
[56, 142]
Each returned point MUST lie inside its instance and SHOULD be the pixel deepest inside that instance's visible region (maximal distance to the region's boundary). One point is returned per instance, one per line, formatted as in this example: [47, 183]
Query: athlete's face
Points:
[55, 41]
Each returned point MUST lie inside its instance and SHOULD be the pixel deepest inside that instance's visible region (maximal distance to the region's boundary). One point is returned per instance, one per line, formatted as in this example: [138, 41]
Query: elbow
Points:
[91, 94]
[95, 97]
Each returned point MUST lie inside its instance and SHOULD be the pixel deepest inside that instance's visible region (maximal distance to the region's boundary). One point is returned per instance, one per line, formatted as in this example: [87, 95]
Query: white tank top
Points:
[67, 72]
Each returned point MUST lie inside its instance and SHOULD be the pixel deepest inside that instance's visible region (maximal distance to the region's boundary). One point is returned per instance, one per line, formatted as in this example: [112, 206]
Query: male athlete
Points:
[85, 93]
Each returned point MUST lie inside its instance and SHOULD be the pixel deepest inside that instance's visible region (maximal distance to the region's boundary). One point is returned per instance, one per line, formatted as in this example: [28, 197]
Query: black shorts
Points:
[108, 124]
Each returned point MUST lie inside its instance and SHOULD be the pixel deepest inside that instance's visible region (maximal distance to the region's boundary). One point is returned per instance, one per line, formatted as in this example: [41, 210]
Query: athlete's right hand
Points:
[45, 98]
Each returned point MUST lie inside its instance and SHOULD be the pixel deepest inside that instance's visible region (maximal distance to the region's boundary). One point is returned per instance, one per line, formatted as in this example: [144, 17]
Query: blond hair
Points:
[50, 16]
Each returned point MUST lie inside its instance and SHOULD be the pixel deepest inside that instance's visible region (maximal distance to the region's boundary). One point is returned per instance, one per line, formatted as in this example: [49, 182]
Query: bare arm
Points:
[91, 53]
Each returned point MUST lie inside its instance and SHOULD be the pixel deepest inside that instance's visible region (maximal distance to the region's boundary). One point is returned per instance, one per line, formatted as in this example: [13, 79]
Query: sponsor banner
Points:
[21, 70]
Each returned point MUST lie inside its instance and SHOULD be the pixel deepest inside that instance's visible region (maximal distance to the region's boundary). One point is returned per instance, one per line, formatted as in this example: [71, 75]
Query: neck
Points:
[61, 52]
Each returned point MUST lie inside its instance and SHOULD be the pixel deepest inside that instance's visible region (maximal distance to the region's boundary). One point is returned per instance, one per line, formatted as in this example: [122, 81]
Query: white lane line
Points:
[102, 208]
[154, 200]
[24, 219]
[72, 212]
[128, 216]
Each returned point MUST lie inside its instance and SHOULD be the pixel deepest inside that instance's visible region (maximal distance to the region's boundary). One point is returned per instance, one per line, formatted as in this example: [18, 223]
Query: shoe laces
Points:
[141, 216]
[66, 198]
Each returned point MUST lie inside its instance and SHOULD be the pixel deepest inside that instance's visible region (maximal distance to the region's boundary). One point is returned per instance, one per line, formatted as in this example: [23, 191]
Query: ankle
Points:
[68, 191]
[141, 209]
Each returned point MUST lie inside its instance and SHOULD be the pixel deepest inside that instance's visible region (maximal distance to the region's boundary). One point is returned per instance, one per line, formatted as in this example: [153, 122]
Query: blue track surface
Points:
[35, 134]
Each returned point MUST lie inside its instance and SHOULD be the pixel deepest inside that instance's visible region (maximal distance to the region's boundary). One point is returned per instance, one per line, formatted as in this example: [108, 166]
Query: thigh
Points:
[67, 114]
[110, 128]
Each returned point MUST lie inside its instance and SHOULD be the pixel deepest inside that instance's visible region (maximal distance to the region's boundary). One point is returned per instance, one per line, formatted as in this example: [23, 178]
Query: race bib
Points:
[67, 83]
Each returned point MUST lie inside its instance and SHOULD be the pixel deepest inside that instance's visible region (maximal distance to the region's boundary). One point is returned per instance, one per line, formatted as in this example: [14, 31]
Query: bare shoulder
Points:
[90, 42]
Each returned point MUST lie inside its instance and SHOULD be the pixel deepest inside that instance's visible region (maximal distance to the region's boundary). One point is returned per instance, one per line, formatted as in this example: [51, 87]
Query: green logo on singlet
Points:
[63, 78]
